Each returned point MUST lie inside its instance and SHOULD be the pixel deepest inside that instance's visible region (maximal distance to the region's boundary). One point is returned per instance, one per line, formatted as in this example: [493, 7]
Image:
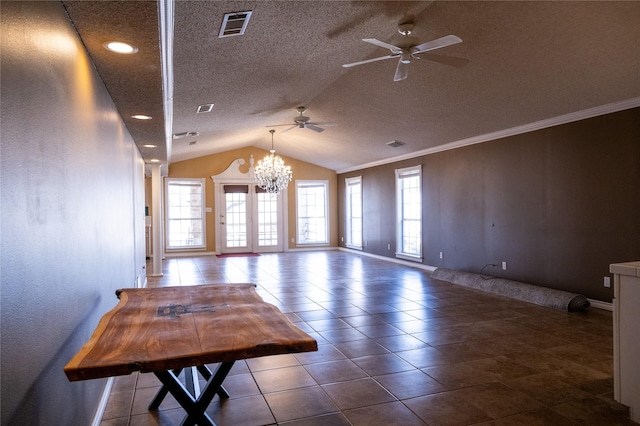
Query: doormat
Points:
[237, 255]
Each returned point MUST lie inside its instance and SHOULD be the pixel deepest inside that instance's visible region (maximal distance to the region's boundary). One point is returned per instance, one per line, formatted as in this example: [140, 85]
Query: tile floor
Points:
[395, 348]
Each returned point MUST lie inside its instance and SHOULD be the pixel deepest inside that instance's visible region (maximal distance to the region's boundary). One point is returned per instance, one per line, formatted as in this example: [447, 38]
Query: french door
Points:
[250, 220]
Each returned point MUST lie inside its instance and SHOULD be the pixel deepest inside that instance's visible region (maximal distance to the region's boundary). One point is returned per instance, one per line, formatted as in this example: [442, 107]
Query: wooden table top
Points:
[160, 329]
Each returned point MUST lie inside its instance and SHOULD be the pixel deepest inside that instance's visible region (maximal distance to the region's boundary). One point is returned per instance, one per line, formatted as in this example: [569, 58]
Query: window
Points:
[312, 212]
[409, 213]
[267, 218]
[185, 213]
[354, 212]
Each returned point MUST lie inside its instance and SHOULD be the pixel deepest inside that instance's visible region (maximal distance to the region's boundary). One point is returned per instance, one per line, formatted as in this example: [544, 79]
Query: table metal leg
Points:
[191, 381]
[194, 406]
[157, 400]
[206, 374]
[213, 386]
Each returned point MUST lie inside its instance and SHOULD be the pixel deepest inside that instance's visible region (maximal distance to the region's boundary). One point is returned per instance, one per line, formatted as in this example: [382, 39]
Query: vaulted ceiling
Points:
[524, 65]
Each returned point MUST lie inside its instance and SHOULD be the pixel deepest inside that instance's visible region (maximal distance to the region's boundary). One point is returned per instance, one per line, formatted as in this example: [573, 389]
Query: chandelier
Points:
[271, 173]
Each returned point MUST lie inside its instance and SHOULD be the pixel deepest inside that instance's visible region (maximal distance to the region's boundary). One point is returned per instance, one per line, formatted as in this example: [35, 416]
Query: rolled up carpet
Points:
[543, 296]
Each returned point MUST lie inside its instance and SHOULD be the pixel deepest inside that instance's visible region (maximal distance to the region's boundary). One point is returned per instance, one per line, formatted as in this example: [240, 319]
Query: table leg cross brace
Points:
[194, 406]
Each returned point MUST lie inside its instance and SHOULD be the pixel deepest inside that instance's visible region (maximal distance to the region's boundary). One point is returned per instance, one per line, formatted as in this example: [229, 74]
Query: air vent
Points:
[204, 108]
[192, 143]
[395, 144]
[234, 24]
[185, 135]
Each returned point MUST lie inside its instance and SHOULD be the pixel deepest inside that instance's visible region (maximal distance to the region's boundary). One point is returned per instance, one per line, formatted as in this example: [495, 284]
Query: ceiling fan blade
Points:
[445, 60]
[391, 47]
[366, 61]
[292, 127]
[436, 44]
[314, 128]
[401, 71]
[324, 123]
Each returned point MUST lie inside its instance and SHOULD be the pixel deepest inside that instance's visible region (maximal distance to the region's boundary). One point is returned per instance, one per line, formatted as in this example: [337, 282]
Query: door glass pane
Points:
[236, 219]
[267, 219]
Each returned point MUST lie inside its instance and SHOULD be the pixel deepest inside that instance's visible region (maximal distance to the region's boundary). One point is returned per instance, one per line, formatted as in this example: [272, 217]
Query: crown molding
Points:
[518, 130]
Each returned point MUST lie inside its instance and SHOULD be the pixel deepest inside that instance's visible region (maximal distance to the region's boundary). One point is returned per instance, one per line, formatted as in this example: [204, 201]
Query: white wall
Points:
[72, 187]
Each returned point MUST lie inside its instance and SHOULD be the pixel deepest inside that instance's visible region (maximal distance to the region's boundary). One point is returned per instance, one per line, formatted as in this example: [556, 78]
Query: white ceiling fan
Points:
[303, 122]
[408, 52]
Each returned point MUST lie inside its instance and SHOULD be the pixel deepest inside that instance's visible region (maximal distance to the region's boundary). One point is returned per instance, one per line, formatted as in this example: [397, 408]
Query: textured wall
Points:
[70, 175]
[558, 205]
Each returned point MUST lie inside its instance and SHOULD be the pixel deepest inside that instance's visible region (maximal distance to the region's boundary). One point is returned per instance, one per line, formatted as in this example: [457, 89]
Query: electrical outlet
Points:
[342, 239]
[388, 246]
[293, 240]
[607, 282]
[504, 266]
[440, 255]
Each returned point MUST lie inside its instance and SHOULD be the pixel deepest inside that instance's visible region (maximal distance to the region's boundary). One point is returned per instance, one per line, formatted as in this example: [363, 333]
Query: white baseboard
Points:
[189, 253]
[103, 402]
[391, 259]
[598, 304]
[316, 248]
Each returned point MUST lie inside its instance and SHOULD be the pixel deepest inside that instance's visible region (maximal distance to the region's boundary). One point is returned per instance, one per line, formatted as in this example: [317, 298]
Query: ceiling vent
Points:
[185, 135]
[395, 144]
[204, 108]
[192, 143]
[234, 24]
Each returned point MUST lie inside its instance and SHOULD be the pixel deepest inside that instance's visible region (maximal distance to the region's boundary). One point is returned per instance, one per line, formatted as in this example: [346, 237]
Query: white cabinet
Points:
[626, 335]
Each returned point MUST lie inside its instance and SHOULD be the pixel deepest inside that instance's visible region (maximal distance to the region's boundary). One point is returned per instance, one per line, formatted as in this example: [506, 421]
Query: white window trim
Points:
[348, 182]
[325, 183]
[167, 182]
[399, 174]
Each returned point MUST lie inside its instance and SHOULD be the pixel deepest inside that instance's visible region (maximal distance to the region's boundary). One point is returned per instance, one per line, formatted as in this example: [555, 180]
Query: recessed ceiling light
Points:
[154, 160]
[141, 117]
[148, 145]
[120, 47]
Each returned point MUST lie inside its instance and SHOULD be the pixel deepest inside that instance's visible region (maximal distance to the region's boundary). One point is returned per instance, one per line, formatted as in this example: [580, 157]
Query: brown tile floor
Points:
[395, 348]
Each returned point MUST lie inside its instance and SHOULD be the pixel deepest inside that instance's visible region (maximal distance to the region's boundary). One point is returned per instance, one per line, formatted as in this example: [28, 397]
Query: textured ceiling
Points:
[527, 62]
[134, 81]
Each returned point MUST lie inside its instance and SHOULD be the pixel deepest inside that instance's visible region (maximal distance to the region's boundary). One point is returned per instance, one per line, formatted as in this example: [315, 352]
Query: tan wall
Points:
[205, 167]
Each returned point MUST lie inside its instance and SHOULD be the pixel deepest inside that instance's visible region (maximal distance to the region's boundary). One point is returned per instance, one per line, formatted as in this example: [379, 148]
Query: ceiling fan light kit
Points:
[405, 29]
